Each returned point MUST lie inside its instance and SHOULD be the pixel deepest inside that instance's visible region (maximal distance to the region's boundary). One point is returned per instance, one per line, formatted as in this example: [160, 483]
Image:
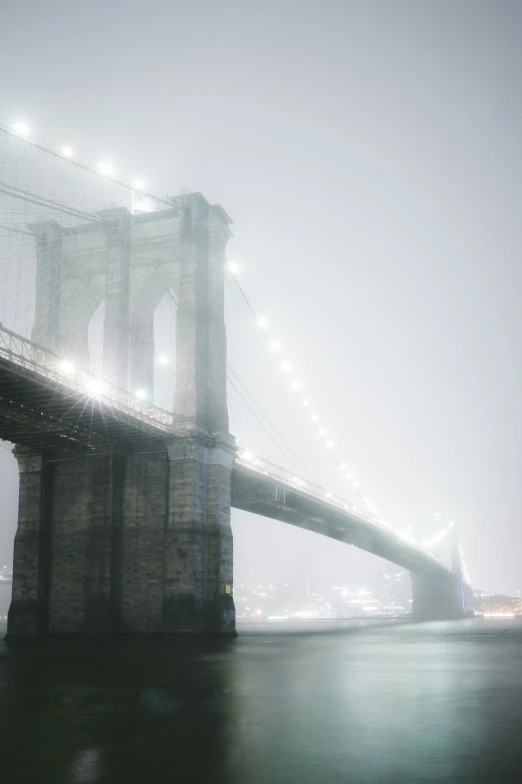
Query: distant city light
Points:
[106, 168]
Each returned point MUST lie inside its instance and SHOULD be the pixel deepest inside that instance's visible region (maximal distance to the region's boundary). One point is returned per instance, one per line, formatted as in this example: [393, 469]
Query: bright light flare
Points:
[106, 168]
[66, 367]
[233, 267]
[262, 323]
[163, 360]
[95, 387]
[67, 152]
[21, 129]
[141, 394]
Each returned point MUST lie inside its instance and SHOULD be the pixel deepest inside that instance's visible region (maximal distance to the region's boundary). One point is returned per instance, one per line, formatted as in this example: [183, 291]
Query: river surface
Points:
[321, 703]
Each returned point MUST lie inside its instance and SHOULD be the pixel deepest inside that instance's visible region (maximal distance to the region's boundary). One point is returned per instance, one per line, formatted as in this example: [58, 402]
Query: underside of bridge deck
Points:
[43, 414]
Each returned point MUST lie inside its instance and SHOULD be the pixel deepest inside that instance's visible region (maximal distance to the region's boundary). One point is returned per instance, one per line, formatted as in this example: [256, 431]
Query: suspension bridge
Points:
[132, 398]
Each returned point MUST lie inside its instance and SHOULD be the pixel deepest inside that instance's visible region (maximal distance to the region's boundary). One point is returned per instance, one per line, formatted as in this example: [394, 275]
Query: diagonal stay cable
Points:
[263, 425]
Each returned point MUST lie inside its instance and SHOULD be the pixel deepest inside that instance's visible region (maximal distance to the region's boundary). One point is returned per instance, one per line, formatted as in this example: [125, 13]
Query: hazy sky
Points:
[369, 154]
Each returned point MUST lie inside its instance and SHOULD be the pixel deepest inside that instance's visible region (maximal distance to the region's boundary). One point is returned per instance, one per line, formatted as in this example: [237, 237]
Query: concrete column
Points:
[198, 593]
[198, 549]
[49, 249]
[142, 356]
[102, 605]
[144, 522]
[437, 596]
[28, 613]
[81, 583]
[116, 324]
[219, 234]
[192, 349]
[220, 555]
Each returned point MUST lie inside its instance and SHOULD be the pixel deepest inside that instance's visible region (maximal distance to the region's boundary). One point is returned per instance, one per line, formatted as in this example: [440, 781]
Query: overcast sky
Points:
[369, 154]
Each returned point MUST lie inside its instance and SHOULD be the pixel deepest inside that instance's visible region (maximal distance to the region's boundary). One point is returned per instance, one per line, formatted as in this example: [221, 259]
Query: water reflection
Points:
[434, 703]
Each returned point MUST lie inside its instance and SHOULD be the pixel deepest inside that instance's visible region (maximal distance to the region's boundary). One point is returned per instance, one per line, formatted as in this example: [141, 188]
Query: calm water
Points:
[357, 703]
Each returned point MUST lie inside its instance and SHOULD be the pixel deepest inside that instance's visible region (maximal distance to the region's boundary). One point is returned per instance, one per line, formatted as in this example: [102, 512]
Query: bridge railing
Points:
[51, 367]
[258, 465]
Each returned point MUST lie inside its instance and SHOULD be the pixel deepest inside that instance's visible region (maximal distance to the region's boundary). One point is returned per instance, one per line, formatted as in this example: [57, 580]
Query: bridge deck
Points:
[44, 414]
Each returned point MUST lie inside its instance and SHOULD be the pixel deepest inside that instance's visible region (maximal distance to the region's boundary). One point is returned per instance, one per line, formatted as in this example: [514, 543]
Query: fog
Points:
[369, 155]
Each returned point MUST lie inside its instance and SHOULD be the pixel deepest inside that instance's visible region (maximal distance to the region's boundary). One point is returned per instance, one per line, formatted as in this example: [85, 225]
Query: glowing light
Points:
[94, 387]
[330, 444]
[314, 418]
[22, 129]
[66, 367]
[246, 455]
[286, 367]
[67, 152]
[499, 615]
[106, 168]
[233, 267]
[138, 184]
[141, 394]
[305, 402]
[262, 323]
[328, 495]
[296, 386]
[163, 360]
[323, 432]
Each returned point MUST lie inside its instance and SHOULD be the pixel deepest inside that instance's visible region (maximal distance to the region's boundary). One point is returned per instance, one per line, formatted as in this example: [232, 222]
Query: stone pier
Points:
[133, 542]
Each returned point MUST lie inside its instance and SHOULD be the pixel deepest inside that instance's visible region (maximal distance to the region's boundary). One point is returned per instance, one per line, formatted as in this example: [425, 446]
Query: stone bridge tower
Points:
[132, 543]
